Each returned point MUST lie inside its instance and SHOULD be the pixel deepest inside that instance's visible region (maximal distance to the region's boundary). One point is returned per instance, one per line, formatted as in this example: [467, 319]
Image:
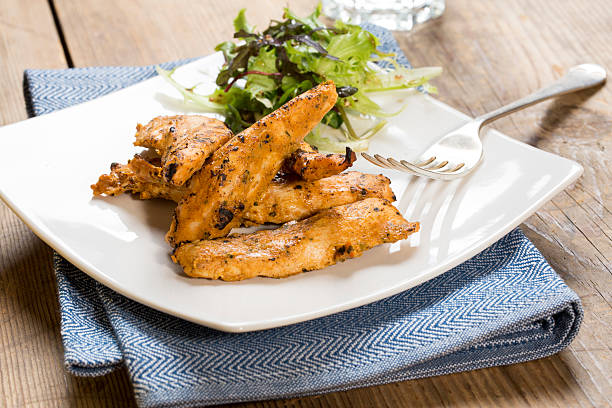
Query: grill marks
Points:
[309, 164]
[284, 200]
[248, 171]
[222, 181]
[184, 142]
[139, 176]
[331, 236]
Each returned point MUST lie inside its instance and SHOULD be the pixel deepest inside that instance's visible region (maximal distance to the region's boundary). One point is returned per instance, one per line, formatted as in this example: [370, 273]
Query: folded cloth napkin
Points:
[503, 306]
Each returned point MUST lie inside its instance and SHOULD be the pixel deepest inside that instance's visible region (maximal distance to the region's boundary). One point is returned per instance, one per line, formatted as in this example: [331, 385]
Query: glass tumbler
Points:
[392, 14]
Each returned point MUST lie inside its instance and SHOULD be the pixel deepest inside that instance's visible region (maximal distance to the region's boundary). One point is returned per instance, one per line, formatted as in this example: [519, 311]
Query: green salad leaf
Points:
[266, 69]
[240, 22]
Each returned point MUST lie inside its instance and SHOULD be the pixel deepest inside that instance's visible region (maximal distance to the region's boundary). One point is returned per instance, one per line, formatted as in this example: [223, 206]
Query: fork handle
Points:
[577, 78]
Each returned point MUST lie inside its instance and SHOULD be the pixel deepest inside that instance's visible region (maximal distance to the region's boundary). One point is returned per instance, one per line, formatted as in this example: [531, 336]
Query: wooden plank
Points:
[148, 32]
[28, 305]
[492, 55]
[31, 356]
[27, 40]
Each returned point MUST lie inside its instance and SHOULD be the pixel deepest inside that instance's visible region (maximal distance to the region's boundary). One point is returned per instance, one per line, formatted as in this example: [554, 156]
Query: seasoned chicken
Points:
[331, 236]
[183, 141]
[138, 176]
[285, 201]
[309, 164]
[241, 170]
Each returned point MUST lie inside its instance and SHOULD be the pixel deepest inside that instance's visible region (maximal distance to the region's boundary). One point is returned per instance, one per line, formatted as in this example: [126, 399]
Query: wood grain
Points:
[493, 52]
[31, 356]
[517, 52]
[28, 309]
[145, 32]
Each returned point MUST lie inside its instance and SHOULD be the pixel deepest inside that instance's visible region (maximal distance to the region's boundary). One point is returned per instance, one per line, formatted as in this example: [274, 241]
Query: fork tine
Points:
[457, 167]
[405, 166]
[388, 162]
[396, 164]
[439, 175]
[421, 171]
[418, 170]
[426, 162]
[379, 161]
[370, 159]
[437, 166]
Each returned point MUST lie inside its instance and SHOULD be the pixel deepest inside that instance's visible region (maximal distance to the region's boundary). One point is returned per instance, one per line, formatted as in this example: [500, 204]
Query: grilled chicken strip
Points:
[183, 141]
[331, 236]
[309, 164]
[283, 201]
[140, 177]
[241, 170]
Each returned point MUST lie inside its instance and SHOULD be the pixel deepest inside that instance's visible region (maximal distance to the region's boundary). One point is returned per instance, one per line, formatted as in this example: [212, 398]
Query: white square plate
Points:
[50, 161]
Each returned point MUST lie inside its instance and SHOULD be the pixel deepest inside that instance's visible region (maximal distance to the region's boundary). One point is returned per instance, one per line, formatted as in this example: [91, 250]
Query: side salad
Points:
[266, 69]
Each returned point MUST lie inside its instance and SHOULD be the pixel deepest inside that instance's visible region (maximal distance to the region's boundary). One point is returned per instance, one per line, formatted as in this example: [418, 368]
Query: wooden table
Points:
[492, 51]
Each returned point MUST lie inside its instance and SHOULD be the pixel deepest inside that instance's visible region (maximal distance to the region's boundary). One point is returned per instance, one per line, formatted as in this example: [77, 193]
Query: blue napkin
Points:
[503, 306]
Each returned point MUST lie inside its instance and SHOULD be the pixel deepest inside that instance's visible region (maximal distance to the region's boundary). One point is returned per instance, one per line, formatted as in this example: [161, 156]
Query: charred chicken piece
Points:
[285, 201]
[309, 164]
[183, 141]
[140, 177]
[242, 169]
[324, 239]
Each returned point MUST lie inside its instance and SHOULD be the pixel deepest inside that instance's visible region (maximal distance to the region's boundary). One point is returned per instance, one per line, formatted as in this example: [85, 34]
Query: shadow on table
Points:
[561, 113]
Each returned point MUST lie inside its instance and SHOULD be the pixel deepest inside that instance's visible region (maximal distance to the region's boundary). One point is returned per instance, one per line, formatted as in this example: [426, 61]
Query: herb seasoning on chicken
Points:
[235, 179]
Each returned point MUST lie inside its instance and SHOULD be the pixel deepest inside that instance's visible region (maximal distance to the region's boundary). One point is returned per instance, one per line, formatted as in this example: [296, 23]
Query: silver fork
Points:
[459, 152]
